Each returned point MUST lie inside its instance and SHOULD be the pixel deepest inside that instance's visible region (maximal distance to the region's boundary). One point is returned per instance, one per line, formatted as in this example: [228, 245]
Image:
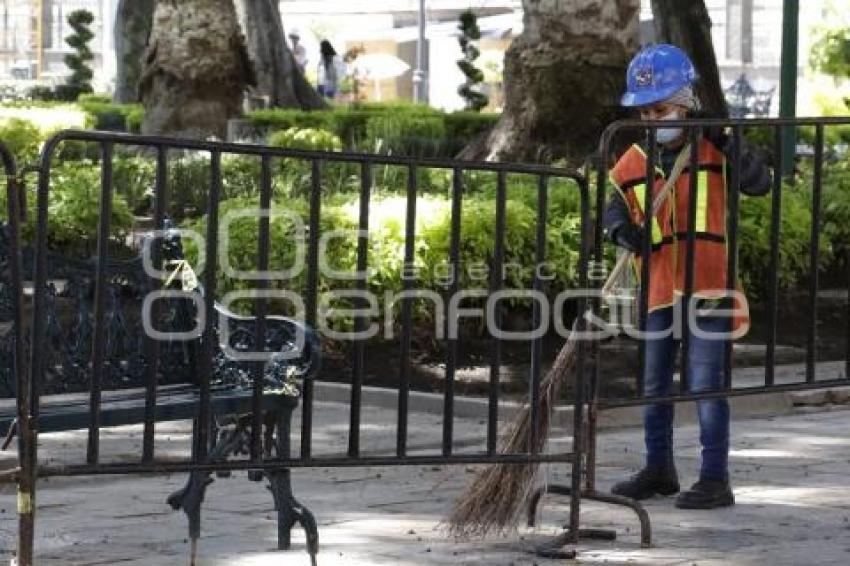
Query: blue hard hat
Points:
[656, 73]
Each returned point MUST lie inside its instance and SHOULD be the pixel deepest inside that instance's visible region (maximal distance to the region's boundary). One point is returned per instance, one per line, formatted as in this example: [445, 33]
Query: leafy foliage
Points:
[831, 53]
[351, 124]
[78, 62]
[22, 138]
[469, 35]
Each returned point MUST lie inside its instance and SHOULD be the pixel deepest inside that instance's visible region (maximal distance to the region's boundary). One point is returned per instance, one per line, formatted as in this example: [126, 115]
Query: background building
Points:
[32, 39]
[747, 36]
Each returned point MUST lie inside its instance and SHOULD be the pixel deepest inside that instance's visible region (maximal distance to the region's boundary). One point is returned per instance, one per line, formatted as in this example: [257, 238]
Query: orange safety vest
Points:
[667, 269]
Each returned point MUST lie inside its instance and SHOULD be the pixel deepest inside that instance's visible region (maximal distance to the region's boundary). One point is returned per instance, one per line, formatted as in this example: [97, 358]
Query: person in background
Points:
[329, 70]
[298, 51]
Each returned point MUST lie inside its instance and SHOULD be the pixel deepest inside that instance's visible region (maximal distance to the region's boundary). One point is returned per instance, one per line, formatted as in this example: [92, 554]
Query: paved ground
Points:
[790, 473]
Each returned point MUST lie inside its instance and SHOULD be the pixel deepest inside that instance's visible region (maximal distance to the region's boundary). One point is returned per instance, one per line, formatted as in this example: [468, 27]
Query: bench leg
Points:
[191, 496]
[289, 510]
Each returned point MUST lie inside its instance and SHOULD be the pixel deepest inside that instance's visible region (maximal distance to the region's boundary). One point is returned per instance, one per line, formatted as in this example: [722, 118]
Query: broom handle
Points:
[660, 199]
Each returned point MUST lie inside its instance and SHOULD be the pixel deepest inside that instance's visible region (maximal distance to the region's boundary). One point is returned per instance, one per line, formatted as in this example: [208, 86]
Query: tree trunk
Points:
[687, 25]
[132, 28]
[563, 77]
[195, 69]
[277, 75]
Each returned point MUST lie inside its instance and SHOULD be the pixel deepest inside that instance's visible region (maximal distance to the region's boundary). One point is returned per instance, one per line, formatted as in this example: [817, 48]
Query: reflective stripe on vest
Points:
[640, 197]
[702, 201]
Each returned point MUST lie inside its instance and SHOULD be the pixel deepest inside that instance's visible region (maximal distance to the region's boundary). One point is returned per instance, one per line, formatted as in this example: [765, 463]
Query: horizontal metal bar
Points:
[614, 128]
[761, 389]
[341, 156]
[276, 464]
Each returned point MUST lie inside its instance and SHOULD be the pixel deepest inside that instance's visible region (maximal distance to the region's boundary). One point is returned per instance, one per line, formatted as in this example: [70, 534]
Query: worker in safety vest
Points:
[660, 85]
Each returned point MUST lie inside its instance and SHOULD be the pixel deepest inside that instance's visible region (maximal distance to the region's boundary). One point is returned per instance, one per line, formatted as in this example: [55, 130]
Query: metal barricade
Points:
[611, 146]
[109, 144]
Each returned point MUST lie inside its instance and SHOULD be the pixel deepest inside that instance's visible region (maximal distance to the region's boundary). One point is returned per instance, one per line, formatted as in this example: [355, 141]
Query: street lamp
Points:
[420, 77]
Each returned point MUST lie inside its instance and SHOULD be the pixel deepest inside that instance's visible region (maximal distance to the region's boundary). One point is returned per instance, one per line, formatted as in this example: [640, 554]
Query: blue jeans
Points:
[705, 373]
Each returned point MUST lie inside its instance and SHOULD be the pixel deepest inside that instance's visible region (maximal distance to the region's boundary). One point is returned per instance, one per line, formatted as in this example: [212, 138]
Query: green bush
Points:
[22, 138]
[835, 210]
[103, 114]
[404, 134]
[41, 93]
[795, 234]
[294, 175]
[306, 138]
[283, 118]
[386, 242]
[468, 125]
[78, 62]
[351, 124]
[74, 211]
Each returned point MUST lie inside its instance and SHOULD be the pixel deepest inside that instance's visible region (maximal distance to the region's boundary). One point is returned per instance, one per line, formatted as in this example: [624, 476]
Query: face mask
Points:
[667, 135]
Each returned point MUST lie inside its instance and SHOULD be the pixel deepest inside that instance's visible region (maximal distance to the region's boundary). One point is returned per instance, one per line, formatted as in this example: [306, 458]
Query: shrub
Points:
[74, 210]
[351, 124]
[795, 234]
[22, 138]
[103, 114]
[78, 62]
[41, 93]
[294, 175]
[386, 242]
[405, 134]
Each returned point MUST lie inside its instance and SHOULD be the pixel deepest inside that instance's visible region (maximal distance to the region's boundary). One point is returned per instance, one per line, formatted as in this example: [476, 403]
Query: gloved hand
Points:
[717, 135]
[630, 237]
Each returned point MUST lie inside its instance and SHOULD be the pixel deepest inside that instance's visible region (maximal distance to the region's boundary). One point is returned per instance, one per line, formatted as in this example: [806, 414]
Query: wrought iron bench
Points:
[68, 351]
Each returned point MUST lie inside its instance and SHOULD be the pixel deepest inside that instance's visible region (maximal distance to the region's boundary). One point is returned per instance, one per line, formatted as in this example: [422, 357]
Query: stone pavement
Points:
[790, 473]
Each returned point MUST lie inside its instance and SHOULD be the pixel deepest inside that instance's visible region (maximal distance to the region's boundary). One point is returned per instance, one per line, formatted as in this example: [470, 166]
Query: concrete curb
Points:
[757, 405]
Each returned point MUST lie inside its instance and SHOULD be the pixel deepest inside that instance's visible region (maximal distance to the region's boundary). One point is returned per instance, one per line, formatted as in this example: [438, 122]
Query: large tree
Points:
[132, 27]
[563, 78]
[687, 25]
[277, 75]
[195, 69]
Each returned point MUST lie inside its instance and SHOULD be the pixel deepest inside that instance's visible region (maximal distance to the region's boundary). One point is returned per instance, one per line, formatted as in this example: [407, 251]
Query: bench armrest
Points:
[296, 346]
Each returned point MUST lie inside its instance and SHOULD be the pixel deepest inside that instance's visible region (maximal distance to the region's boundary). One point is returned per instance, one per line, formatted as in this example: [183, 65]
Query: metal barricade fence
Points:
[736, 129]
[109, 144]
[587, 395]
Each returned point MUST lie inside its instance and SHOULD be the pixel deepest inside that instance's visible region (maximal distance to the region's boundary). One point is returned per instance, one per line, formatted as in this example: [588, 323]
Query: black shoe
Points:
[706, 494]
[648, 482]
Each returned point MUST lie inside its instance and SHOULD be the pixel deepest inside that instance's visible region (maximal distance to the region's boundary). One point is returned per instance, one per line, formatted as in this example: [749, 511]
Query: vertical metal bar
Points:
[847, 318]
[581, 393]
[29, 426]
[209, 336]
[451, 358]
[693, 187]
[151, 345]
[814, 253]
[100, 291]
[734, 193]
[646, 256]
[773, 270]
[496, 277]
[537, 343]
[406, 312]
[26, 479]
[311, 300]
[591, 384]
[359, 321]
[263, 245]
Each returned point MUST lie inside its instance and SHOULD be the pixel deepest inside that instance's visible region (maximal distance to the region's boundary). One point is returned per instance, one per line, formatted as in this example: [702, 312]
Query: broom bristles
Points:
[493, 501]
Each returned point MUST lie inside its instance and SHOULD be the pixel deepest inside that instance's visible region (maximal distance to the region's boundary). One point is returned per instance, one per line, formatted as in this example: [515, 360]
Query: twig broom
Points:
[493, 501]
